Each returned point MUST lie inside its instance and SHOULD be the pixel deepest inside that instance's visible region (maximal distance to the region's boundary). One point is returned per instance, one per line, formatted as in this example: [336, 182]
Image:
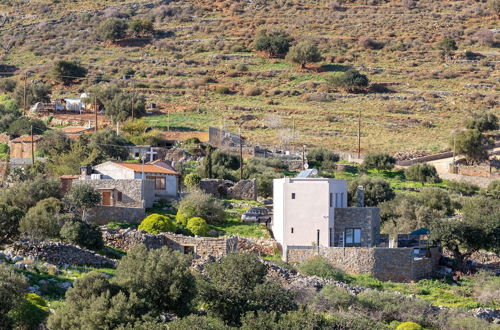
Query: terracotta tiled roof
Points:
[27, 138]
[148, 168]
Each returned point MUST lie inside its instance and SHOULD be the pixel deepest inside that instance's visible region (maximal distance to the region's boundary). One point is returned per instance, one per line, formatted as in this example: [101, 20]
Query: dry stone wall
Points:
[201, 246]
[387, 264]
[59, 254]
[102, 215]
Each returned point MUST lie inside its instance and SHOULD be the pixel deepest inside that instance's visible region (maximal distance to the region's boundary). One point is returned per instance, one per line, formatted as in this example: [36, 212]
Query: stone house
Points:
[165, 178]
[21, 147]
[314, 212]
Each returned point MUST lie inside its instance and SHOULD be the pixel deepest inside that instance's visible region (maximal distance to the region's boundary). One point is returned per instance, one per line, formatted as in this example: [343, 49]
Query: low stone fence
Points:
[102, 215]
[485, 171]
[260, 246]
[59, 254]
[201, 246]
[387, 264]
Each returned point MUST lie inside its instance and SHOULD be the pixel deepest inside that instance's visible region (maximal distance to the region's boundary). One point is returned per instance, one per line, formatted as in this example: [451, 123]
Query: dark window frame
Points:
[353, 243]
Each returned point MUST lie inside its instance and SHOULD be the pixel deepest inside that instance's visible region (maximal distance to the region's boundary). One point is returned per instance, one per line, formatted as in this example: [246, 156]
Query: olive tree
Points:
[303, 53]
[12, 288]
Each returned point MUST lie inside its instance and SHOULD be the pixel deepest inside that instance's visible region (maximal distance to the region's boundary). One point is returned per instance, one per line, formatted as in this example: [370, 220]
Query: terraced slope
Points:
[418, 95]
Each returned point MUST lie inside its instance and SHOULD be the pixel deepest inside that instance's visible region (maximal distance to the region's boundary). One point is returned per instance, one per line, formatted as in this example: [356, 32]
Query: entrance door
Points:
[106, 198]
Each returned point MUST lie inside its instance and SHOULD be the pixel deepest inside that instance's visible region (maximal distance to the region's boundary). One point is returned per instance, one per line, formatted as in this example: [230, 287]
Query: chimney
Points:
[361, 196]
[85, 171]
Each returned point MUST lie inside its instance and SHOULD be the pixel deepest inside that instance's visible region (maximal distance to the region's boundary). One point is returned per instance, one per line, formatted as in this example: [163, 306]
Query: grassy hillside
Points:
[418, 96]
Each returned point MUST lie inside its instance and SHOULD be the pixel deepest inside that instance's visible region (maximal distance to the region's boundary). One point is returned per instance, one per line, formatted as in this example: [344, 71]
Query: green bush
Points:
[68, 71]
[275, 43]
[12, 288]
[222, 90]
[192, 180]
[112, 29]
[463, 188]
[200, 204]
[197, 226]
[376, 190]
[197, 322]
[303, 53]
[332, 298]
[436, 199]
[494, 189]
[423, 173]
[43, 220]
[351, 81]
[7, 85]
[161, 277]
[157, 223]
[31, 312]
[486, 121]
[409, 326]
[321, 267]
[318, 157]
[378, 161]
[82, 233]
[448, 45]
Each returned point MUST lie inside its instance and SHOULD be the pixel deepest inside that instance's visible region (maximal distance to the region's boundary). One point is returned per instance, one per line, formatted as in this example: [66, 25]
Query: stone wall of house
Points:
[365, 218]
[244, 189]
[202, 246]
[398, 264]
[133, 191]
[59, 253]
[102, 215]
[485, 171]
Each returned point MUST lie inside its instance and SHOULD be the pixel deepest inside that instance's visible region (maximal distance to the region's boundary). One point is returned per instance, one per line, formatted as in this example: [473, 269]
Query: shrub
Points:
[161, 277]
[12, 288]
[54, 142]
[351, 81]
[376, 190]
[486, 121]
[471, 144]
[81, 198]
[303, 53]
[142, 27]
[332, 298]
[252, 91]
[319, 266]
[436, 199]
[198, 322]
[84, 234]
[68, 71]
[43, 220]
[237, 285]
[112, 29]
[494, 189]
[192, 180]
[35, 92]
[423, 173]
[378, 161]
[199, 204]
[197, 226]
[409, 326]
[463, 188]
[31, 312]
[9, 221]
[318, 156]
[276, 43]
[94, 303]
[447, 45]
[368, 43]
[222, 90]
[7, 85]
[22, 126]
[156, 223]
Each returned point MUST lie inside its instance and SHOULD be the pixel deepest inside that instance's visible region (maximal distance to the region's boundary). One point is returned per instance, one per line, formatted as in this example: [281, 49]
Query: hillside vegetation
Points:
[197, 61]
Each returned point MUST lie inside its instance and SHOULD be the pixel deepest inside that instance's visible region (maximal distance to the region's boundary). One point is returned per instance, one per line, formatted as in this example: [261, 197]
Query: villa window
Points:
[352, 237]
[331, 200]
[160, 182]
[293, 195]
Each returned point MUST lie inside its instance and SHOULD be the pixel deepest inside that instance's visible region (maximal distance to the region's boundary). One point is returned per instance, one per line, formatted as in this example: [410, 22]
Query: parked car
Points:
[256, 214]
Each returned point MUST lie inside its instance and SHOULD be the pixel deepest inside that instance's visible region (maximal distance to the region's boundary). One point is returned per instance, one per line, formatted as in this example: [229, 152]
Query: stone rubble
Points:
[488, 314]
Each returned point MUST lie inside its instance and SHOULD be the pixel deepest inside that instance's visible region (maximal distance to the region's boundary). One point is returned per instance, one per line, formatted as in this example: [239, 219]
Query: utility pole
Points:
[132, 106]
[32, 147]
[24, 94]
[241, 153]
[359, 134]
[95, 108]
[303, 157]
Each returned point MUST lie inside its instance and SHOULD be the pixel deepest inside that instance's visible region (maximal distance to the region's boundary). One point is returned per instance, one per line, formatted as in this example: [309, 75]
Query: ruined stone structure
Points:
[387, 264]
[59, 254]
[200, 246]
[243, 190]
[21, 146]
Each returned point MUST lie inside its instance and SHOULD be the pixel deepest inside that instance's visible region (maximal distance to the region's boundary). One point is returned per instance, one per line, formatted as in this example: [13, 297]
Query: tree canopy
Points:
[303, 53]
[275, 43]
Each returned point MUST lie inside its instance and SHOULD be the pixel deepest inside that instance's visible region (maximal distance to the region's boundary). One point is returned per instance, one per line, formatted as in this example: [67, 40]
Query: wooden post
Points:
[95, 109]
[32, 147]
[303, 157]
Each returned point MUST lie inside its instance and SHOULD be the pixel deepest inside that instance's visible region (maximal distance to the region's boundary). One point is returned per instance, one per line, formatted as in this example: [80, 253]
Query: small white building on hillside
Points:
[164, 176]
[314, 212]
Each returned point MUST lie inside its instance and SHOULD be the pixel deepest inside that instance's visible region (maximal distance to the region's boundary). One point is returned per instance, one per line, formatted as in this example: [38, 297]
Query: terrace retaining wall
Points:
[387, 264]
